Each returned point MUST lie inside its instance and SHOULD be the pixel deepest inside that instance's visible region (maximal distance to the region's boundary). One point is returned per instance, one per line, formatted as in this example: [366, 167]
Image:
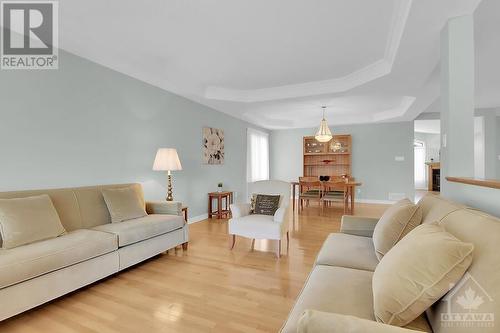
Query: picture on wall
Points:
[213, 145]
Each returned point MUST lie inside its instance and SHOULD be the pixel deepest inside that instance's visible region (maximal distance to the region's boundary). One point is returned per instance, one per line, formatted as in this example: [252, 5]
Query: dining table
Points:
[351, 193]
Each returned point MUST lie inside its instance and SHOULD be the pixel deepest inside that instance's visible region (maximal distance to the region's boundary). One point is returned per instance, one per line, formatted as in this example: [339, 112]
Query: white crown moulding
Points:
[369, 73]
[393, 114]
[401, 110]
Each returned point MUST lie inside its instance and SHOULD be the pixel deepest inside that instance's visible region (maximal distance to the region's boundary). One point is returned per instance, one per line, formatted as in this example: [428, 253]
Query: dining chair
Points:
[309, 190]
[310, 179]
[334, 191]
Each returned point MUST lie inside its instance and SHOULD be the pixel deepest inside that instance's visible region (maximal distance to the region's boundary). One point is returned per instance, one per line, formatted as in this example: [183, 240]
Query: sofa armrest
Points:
[313, 321]
[164, 207]
[357, 225]
[239, 210]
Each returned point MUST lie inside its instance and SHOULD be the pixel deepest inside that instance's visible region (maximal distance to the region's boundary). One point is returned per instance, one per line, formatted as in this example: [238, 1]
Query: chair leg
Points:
[346, 203]
[253, 243]
[233, 242]
[287, 241]
[279, 249]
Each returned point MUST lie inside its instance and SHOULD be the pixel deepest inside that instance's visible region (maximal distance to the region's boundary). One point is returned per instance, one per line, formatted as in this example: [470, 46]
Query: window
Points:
[420, 169]
[257, 155]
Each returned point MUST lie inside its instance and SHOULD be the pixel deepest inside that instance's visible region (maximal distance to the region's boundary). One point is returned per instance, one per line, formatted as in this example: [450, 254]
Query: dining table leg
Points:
[293, 198]
[352, 200]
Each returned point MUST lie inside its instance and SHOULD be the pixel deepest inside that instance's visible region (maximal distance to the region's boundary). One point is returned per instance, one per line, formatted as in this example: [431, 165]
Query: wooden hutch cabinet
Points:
[331, 158]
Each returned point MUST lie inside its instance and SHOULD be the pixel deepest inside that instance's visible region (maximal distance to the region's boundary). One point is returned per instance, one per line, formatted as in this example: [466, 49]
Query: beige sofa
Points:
[337, 296]
[92, 248]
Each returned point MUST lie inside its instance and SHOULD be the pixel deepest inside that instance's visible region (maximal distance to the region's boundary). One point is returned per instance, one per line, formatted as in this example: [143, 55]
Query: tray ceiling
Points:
[273, 63]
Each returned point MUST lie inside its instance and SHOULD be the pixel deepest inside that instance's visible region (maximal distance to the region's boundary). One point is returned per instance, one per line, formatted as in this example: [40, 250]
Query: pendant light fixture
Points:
[324, 134]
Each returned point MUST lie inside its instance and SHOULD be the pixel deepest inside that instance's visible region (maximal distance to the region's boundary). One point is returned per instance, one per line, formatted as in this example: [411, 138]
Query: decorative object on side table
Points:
[167, 160]
[213, 145]
[219, 187]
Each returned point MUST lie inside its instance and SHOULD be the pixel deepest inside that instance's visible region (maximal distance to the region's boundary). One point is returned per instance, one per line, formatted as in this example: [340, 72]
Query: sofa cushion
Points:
[27, 220]
[435, 208]
[417, 272]
[340, 290]
[266, 204]
[77, 207]
[334, 289]
[397, 221]
[313, 321]
[483, 275]
[124, 203]
[349, 251]
[137, 230]
[29, 261]
[255, 226]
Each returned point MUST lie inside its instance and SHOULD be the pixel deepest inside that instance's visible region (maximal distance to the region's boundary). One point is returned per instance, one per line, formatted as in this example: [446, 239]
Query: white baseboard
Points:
[198, 218]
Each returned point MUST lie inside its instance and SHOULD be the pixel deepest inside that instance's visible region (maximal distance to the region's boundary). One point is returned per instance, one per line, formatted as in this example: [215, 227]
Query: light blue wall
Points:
[375, 147]
[85, 124]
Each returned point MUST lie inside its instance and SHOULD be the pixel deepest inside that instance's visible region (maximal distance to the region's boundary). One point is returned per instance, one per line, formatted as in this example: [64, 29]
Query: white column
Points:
[490, 149]
[457, 98]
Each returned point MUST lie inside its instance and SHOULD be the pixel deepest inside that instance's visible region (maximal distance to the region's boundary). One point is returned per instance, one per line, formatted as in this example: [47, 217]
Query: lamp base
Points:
[169, 190]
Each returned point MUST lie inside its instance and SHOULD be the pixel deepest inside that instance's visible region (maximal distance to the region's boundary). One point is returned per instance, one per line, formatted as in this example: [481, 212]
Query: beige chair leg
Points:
[279, 249]
[233, 242]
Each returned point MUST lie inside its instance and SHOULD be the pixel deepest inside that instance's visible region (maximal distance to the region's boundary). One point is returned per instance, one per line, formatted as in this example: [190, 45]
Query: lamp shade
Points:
[324, 134]
[167, 160]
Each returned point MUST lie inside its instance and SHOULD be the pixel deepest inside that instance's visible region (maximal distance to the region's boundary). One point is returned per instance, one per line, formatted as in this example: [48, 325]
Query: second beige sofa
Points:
[92, 248]
[338, 297]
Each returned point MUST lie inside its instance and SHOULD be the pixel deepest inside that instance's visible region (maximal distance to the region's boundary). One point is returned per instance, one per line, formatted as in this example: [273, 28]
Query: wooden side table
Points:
[222, 211]
[185, 213]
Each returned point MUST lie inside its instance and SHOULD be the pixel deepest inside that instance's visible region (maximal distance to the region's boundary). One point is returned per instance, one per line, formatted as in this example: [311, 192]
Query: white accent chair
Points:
[256, 226]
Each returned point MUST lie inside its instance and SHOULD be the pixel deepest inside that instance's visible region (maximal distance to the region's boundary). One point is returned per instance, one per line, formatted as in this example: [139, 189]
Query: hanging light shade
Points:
[324, 134]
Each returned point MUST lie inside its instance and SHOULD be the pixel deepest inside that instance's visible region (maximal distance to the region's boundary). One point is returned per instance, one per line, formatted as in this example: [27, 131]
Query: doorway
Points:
[427, 145]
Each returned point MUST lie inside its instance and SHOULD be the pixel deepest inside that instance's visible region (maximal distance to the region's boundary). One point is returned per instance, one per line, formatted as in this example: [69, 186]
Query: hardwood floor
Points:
[205, 289]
